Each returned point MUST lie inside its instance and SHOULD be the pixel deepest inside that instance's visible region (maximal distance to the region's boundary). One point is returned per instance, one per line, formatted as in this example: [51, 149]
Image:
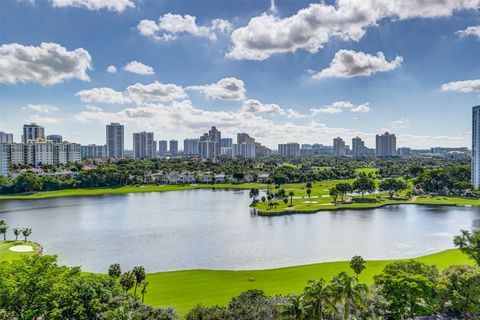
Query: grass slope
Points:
[7, 255]
[184, 289]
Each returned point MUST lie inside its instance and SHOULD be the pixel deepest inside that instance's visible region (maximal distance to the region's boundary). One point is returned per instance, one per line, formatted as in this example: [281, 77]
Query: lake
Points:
[214, 229]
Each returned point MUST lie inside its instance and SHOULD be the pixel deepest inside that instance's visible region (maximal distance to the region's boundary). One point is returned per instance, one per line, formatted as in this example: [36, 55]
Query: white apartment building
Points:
[143, 145]
[291, 149]
[386, 145]
[338, 147]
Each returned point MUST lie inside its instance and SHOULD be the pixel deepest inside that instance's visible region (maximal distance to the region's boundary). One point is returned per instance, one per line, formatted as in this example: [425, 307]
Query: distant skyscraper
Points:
[173, 147]
[115, 140]
[6, 137]
[190, 147]
[209, 144]
[476, 146]
[56, 138]
[162, 148]
[143, 145]
[4, 158]
[386, 145]
[32, 131]
[226, 143]
[93, 151]
[358, 147]
[291, 149]
[338, 147]
[244, 138]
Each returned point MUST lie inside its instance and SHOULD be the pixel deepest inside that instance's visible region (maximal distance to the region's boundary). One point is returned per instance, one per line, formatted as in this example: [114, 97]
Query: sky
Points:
[303, 71]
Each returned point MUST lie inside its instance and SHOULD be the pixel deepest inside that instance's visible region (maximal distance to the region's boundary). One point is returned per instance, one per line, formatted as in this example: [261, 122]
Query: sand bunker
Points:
[21, 248]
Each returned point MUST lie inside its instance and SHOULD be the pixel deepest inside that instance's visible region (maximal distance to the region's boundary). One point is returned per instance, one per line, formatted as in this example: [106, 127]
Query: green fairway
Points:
[7, 255]
[184, 289]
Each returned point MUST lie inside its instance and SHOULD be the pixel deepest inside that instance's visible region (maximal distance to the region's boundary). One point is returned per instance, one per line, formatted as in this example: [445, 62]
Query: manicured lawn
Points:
[368, 170]
[7, 255]
[184, 289]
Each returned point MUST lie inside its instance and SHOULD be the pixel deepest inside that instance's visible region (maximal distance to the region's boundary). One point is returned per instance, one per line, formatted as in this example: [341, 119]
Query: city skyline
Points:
[176, 68]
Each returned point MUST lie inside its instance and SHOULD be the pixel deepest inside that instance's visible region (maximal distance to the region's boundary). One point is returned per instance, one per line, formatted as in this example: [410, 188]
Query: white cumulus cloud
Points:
[340, 106]
[470, 31]
[138, 68]
[48, 64]
[41, 108]
[111, 69]
[256, 107]
[136, 94]
[310, 28]
[224, 89]
[464, 86]
[348, 64]
[112, 5]
[169, 26]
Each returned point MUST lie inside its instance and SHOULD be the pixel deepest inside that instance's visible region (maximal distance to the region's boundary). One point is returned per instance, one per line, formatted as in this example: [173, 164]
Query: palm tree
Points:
[291, 194]
[293, 309]
[318, 299]
[139, 273]
[26, 232]
[127, 280]
[144, 290]
[115, 270]
[254, 192]
[350, 293]
[3, 229]
[357, 263]
[17, 232]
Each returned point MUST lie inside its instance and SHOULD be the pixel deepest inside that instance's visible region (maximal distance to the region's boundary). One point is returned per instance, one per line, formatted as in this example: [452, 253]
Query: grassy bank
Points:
[7, 255]
[184, 289]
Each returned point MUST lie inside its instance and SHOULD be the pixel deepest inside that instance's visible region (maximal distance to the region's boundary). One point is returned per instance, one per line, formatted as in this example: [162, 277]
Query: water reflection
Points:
[216, 230]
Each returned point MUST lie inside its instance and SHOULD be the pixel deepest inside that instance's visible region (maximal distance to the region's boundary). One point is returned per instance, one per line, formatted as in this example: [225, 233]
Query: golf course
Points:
[184, 289]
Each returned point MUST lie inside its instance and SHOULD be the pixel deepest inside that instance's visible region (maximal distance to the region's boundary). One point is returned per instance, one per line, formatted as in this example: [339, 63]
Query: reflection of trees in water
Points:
[476, 223]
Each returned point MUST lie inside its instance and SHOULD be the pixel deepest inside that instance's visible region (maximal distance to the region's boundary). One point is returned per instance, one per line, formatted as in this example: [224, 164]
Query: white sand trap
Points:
[21, 248]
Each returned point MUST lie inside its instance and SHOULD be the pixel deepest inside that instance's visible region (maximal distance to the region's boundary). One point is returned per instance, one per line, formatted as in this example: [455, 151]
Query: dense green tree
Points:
[392, 186]
[28, 182]
[253, 194]
[343, 189]
[319, 300]
[357, 264]
[459, 288]
[469, 243]
[409, 289]
[309, 192]
[333, 192]
[364, 185]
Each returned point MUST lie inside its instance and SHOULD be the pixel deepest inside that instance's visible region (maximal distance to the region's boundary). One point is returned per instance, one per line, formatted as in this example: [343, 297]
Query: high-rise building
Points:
[226, 143]
[404, 151]
[244, 138]
[358, 147]
[190, 147]
[476, 146]
[93, 151]
[386, 145]
[115, 140]
[143, 145]
[162, 148]
[55, 138]
[291, 149]
[32, 131]
[209, 144]
[6, 137]
[244, 150]
[4, 159]
[173, 147]
[338, 147]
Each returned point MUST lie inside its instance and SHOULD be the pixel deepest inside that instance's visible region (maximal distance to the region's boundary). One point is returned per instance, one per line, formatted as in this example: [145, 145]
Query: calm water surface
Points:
[215, 230]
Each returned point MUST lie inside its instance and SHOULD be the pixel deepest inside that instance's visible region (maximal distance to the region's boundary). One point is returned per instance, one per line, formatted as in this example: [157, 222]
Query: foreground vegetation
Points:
[35, 287]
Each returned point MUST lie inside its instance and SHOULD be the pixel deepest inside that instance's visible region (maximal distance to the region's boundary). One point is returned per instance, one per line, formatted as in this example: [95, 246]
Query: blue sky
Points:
[301, 71]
